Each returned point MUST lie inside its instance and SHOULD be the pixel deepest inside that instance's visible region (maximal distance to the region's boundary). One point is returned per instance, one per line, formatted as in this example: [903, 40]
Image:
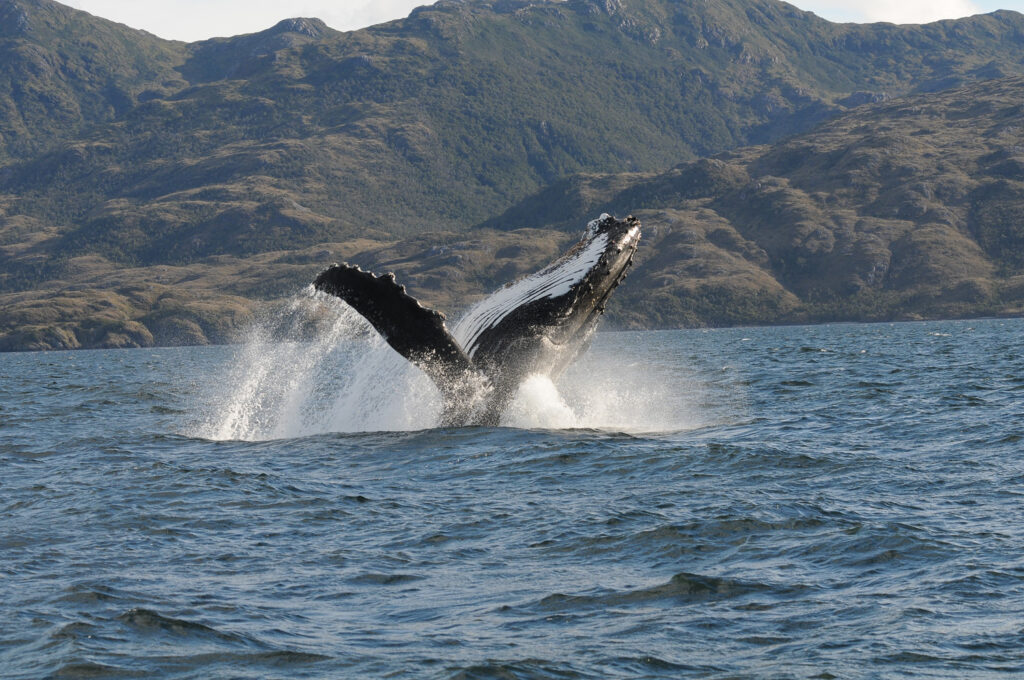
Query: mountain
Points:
[906, 209]
[140, 178]
[62, 70]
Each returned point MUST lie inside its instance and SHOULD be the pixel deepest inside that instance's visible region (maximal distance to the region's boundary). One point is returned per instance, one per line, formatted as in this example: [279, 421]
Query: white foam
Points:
[616, 395]
[346, 379]
[538, 404]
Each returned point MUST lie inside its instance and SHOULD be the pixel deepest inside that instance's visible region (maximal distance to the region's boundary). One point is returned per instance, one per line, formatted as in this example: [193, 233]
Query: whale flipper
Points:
[414, 331]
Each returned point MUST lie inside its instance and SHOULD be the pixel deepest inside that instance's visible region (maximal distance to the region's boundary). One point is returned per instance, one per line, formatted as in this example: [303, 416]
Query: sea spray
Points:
[605, 391]
[316, 366]
[538, 404]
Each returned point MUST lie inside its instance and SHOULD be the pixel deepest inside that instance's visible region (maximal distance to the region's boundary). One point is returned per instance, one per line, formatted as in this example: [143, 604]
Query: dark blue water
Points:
[838, 501]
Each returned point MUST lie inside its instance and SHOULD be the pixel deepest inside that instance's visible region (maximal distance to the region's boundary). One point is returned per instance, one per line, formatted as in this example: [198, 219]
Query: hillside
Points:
[912, 208]
[146, 185]
[62, 70]
[907, 209]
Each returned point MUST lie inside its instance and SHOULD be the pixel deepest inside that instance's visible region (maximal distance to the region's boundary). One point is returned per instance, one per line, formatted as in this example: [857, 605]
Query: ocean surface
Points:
[841, 501]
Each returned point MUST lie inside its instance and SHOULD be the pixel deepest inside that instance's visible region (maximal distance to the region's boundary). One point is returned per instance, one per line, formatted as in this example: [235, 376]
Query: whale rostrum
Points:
[537, 324]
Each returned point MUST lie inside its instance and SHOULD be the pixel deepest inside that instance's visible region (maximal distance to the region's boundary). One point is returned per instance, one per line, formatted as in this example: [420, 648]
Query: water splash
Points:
[538, 404]
[603, 392]
[317, 366]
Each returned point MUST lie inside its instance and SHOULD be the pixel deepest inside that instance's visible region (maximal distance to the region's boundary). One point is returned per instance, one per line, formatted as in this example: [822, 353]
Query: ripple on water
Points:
[681, 588]
[809, 514]
[520, 670]
[148, 623]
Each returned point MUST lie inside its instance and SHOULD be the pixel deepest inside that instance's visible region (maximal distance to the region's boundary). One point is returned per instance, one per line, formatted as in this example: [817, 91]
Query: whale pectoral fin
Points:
[417, 333]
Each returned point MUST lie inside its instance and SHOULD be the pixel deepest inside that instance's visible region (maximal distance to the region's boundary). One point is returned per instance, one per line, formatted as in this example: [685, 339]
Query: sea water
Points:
[838, 501]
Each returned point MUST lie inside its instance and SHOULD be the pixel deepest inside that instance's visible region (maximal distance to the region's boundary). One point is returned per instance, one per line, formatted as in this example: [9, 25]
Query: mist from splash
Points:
[317, 366]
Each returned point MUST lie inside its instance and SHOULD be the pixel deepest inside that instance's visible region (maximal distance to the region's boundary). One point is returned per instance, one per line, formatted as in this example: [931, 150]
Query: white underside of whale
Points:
[552, 282]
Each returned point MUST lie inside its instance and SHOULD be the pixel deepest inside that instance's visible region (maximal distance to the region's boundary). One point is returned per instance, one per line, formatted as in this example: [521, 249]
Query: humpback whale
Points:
[537, 324]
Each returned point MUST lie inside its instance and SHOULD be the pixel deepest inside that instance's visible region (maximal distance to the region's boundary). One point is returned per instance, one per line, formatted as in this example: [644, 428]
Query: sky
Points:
[199, 19]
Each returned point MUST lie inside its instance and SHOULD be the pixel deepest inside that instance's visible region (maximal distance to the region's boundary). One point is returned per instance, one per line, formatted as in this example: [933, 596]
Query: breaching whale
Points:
[537, 324]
